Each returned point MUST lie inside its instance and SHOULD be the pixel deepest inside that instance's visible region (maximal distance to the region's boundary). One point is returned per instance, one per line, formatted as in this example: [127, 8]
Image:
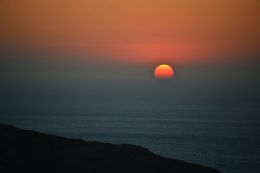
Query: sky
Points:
[103, 39]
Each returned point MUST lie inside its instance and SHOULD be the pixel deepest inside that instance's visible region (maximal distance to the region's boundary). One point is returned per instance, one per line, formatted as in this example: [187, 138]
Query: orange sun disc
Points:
[163, 71]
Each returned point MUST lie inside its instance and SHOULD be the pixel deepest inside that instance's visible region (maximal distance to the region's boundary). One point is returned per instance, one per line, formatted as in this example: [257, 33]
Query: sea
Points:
[216, 124]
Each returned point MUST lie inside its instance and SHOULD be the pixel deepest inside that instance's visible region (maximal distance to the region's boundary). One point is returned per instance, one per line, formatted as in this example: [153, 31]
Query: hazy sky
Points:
[105, 39]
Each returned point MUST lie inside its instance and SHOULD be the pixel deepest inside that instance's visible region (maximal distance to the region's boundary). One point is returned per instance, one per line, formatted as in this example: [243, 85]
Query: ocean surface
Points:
[214, 124]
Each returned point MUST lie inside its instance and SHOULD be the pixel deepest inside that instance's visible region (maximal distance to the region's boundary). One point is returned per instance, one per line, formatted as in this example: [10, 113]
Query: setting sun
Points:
[163, 71]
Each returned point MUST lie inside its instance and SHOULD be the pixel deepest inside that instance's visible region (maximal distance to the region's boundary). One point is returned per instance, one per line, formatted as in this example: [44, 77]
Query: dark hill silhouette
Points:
[26, 151]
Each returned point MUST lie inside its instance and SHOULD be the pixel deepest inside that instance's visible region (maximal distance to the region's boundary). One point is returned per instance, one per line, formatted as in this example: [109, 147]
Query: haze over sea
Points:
[212, 123]
[84, 69]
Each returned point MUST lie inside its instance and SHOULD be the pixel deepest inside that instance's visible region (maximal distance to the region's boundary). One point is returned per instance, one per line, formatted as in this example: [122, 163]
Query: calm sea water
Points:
[217, 126]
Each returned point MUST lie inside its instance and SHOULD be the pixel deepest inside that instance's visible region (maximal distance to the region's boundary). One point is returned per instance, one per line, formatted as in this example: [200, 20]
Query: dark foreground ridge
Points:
[32, 152]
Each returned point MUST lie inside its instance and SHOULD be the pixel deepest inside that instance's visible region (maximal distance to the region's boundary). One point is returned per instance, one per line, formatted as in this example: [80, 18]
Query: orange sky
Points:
[147, 31]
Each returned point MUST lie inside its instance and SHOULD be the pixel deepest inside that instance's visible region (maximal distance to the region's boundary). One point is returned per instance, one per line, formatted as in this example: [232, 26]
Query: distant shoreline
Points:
[33, 152]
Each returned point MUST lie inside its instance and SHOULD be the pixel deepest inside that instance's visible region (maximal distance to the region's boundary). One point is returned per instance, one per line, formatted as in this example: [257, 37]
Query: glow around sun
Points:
[163, 71]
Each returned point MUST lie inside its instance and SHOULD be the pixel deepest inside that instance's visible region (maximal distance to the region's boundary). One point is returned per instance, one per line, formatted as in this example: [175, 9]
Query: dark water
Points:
[217, 126]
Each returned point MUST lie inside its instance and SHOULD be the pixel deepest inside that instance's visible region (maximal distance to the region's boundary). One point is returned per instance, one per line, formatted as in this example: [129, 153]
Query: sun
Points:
[163, 71]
